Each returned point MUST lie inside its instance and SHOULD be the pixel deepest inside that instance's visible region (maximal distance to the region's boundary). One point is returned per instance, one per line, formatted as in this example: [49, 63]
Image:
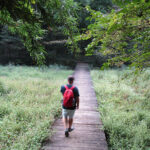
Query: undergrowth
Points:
[124, 105]
[29, 102]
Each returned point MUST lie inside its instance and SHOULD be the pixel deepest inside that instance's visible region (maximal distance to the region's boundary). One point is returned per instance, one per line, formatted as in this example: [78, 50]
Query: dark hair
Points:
[70, 78]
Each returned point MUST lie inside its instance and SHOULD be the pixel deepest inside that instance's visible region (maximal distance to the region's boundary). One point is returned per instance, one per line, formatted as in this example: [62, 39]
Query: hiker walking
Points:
[70, 104]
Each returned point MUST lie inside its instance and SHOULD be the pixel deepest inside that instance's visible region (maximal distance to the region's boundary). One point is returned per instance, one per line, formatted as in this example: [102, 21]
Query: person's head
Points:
[70, 79]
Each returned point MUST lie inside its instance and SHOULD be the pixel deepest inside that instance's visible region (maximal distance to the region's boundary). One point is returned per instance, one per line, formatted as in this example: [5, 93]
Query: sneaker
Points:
[66, 133]
[70, 129]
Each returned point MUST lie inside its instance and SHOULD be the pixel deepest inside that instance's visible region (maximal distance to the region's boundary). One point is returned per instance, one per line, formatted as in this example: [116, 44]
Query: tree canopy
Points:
[116, 28]
[123, 34]
[28, 18]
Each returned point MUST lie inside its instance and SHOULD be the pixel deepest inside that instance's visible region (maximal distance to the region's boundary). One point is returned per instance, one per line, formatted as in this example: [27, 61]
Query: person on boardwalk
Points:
[70, 104]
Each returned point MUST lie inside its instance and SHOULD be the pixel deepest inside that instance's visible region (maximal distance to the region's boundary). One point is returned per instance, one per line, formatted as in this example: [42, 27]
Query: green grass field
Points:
[124, 105]
[29, 102]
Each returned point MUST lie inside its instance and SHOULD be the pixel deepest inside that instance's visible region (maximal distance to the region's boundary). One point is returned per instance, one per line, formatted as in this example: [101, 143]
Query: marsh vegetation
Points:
[124, 105]
[30, 101]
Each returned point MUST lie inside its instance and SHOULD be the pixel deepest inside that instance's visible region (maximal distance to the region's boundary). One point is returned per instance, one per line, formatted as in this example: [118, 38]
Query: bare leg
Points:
[70, 122]
[65, 121]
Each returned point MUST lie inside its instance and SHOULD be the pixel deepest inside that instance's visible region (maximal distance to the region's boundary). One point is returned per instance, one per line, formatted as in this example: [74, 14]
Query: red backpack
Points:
[68, 97]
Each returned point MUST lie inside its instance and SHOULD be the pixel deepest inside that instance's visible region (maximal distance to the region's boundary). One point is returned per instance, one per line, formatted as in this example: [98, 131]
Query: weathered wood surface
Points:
[88, 133]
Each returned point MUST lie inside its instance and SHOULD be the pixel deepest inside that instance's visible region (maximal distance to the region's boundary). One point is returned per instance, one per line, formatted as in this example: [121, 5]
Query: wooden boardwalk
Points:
[87, 134]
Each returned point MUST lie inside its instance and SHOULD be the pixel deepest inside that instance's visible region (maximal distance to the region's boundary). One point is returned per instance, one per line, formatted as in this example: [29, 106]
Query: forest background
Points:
[113, 32]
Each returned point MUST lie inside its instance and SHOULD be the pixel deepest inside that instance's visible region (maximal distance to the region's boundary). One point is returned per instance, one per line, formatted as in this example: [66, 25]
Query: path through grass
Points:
[29, 102]
[124, 104]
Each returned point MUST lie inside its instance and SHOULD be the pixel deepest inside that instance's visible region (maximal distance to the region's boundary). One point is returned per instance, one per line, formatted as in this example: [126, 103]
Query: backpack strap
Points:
[66, 87]
[72, 87]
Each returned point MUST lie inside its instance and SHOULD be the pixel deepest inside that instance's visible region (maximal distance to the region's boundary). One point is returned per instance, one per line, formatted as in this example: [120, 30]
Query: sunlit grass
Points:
[29, 102]
[124, 105]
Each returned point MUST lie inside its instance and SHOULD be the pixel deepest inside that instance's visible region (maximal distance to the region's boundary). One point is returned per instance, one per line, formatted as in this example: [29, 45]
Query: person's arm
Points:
[77, 100]
[76, 94]
[62, 90]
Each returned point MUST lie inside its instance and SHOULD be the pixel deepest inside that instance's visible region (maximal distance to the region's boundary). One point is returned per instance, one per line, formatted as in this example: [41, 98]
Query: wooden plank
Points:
[88, 145]
[71, 148]
[68, 148]
[82, 127]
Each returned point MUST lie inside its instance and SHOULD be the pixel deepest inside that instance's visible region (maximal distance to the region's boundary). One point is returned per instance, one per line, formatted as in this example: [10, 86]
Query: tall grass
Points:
[124, 105]
[29, 102]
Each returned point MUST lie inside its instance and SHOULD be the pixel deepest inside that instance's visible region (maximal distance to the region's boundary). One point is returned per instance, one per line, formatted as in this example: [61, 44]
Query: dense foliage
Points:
[124, 105]
[103, 6]
[28, 18]
[123, 34]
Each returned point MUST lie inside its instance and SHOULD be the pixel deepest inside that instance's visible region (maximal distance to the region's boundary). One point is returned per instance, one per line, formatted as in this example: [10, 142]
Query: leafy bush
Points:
[1, 89]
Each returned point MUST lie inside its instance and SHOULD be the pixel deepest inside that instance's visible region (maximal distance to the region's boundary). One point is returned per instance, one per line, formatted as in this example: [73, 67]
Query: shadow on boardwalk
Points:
[87, 134]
